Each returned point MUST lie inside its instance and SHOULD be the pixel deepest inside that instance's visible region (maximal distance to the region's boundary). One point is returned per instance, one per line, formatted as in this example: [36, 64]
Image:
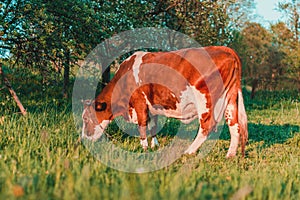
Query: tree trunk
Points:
[254, 86]
[12, 92]
[105, 77]
[66, 73]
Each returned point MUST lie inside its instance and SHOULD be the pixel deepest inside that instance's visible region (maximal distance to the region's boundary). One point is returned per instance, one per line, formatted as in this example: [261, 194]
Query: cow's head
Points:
[94, 119]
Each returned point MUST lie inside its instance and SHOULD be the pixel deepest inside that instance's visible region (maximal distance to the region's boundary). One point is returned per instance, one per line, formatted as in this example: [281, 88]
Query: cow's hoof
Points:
[188, 155]
[145, 148]
[189, 151]
[154, 143]
[230, 154]
[144, 144]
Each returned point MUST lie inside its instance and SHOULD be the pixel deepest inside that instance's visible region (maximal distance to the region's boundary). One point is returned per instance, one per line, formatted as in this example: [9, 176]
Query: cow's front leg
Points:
[143, 137]
[142, 117]
[153, 128]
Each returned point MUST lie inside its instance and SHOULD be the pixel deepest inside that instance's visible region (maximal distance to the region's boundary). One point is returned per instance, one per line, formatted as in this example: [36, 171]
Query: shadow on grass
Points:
[268, 134]
[270, 99]
[272, 134]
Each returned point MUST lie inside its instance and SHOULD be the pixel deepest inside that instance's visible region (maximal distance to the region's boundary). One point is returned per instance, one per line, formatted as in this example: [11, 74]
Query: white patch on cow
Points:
[99, 130]
[229, 112]
[192, 104]
[241, 108]
[199, 140]
[144, 143]
[82, 132]
[137, 64]
[133, 118]
[234, 141]
[173, 95]
[220, 107]
[154, 142]
[199, 100]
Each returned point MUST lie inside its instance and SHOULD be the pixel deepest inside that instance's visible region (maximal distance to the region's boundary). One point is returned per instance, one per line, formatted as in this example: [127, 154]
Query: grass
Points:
[40, 157]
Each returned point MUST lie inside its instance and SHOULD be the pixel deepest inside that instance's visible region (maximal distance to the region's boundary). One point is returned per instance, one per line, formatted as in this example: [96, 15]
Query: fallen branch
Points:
[11, 90]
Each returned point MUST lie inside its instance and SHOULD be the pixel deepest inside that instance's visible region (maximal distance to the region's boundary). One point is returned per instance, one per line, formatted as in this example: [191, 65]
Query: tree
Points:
[256, 42]
[283, 41]
[50, 36]
[6, 82]
[240, 12]
[11, 36]
[12, 17]
[205, 21]
[291, 8]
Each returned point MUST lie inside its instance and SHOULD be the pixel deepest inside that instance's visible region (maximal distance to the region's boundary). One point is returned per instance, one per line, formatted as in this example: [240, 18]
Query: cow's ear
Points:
[87, 103]
[100, 106]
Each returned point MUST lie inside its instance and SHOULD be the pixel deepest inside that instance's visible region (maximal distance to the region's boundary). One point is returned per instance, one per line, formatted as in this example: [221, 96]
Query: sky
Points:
[266, 10]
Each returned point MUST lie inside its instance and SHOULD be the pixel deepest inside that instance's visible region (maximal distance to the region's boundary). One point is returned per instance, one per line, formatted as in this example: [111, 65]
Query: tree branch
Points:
[11, 90]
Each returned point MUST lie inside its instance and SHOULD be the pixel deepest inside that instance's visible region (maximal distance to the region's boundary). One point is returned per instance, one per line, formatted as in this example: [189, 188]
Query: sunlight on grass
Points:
[41, 159]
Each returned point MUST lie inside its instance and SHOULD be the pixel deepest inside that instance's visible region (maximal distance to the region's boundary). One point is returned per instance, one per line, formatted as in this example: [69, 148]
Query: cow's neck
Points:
[106, 96]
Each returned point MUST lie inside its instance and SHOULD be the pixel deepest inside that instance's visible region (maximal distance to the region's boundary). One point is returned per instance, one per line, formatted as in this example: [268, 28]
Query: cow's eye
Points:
[100, 106]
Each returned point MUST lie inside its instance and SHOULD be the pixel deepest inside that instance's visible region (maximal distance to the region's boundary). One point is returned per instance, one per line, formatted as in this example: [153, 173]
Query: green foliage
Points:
[270, 57]
[291, 8]
[53, 36]
[287, 51]
[34, 91]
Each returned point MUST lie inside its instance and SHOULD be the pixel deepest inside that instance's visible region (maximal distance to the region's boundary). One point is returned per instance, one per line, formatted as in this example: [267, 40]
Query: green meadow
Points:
[41, 158]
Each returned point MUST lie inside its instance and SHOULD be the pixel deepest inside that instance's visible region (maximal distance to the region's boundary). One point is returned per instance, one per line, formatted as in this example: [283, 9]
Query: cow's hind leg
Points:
[199, 140]
[243, 127]
[231, 116]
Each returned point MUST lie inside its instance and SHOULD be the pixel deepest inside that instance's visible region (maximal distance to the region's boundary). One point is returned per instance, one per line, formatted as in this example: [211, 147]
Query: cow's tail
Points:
[242, 116]
[242, 120]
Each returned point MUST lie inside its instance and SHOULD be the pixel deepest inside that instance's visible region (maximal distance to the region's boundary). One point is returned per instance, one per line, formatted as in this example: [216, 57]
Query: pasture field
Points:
[40, 157]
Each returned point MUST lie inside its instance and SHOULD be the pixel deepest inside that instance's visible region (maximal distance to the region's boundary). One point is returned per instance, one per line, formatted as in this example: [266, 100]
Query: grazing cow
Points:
[203, 83]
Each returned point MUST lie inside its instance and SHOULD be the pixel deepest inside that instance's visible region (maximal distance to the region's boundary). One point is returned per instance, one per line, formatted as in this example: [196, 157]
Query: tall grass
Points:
[40, 157]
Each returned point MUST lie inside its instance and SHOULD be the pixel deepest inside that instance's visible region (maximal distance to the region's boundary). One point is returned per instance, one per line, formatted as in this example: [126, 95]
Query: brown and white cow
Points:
[194, 83]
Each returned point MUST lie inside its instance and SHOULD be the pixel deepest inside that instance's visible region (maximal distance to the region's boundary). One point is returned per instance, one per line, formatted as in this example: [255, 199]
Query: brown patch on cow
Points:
[175, 62]
[160, 96]
[125, 66]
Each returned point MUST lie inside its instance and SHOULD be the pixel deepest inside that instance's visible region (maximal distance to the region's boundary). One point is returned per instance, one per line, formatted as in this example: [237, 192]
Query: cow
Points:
[187, 84]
